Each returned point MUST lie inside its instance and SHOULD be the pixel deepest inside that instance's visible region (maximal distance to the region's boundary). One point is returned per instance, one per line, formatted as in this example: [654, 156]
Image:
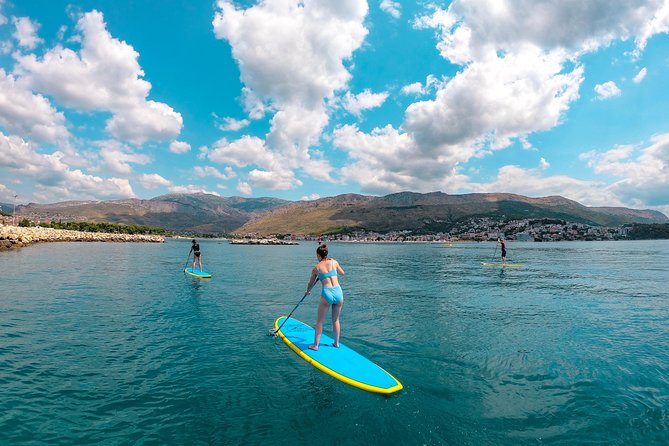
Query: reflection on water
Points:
[122, 347]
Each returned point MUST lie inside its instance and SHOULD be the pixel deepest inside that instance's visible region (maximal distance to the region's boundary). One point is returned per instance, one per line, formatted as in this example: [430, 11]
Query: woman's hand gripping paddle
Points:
[275, 333]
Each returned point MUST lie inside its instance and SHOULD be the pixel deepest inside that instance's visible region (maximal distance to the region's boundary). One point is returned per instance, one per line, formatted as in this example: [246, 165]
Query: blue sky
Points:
[110, 99]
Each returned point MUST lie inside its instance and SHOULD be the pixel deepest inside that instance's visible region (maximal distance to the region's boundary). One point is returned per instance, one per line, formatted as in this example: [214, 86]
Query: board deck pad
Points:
[197, 273]
[343, 363]
[502, 264]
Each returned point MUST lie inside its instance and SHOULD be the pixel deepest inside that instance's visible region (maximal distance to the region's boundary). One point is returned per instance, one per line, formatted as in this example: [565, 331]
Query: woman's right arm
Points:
[312, 280]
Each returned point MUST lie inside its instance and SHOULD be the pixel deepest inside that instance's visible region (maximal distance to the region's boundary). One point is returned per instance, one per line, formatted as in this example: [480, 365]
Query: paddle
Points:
[494, 253]
[275, 332]
[187, 259]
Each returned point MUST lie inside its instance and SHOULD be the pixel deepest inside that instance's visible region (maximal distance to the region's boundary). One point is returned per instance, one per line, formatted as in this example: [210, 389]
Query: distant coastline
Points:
[12, 237]
[262, 241]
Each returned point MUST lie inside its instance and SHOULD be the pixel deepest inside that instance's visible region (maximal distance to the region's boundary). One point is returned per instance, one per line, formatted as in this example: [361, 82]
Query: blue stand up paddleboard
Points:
[197, 273]
[516, 265]
[343, 363]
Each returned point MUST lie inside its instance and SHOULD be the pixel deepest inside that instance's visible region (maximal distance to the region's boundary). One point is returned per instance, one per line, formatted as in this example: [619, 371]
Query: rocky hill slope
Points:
[420, 213]
[203, 213]
[432, 212]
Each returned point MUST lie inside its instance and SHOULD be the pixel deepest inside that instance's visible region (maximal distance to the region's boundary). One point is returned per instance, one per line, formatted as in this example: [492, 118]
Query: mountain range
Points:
[419, 213]
[199, 213]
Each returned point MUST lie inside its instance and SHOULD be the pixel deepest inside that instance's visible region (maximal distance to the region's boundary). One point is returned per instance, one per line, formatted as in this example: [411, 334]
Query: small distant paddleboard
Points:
[503, 264]
[343, 363]
[197, 273]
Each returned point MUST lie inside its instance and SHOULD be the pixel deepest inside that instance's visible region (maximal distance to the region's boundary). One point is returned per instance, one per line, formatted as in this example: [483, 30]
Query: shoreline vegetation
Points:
[85, 226]
[12, 237]
[538, 230]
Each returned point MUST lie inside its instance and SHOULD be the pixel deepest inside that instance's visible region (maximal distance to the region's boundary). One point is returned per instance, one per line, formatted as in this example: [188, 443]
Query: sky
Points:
[114, 99]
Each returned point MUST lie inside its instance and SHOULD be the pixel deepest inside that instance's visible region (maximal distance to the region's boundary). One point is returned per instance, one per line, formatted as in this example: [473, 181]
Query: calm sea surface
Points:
[105, 343]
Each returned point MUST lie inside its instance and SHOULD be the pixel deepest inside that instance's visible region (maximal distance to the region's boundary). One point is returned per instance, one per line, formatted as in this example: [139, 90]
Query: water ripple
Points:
[571, 349]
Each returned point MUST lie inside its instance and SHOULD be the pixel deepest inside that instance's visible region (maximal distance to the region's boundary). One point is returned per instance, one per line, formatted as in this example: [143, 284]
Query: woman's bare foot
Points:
[335, 344]
[313, 347]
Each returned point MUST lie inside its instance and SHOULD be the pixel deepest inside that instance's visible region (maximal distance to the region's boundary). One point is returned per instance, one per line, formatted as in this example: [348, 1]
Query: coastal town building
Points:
[487, 229]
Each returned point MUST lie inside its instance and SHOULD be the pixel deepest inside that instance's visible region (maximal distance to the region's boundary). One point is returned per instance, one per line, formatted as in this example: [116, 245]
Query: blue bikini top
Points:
[332, 272]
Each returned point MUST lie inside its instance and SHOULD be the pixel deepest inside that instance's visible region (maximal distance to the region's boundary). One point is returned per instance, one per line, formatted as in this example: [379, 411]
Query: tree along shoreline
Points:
[84, 226]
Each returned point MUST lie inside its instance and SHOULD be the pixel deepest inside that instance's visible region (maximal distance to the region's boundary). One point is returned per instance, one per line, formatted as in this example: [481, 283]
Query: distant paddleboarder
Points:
[197, 255]
[326, 270]
[502, 243]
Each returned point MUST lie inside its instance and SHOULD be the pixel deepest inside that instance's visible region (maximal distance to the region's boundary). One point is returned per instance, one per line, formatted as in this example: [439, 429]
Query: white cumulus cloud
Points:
[366, 100]
[244, 188]
[473, 113]
[515, 79]
[209, 171]
[532, 183]
[117, 157]
[291, 56]
[470, 30]
[640, 75]
[6, 47]
[103, 76]
[179, 147]
[232, 125]
[148, 120]
[190, 189]
[3, 19]
[53, 178]
[643, 171]
[658, 24]
[391, 7]
[153, 181]
[6, 194]
[247, 150]
[418, 88]
[29, 115]
[388, 160]
[607, 90]
[275, 179]
[497, 99]
[26, 32]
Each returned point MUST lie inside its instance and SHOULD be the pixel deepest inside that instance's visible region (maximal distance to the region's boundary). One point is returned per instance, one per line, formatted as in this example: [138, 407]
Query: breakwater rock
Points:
[16, 237]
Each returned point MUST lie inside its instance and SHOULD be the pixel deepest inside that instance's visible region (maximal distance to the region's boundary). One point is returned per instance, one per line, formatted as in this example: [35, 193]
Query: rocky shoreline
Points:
[12, 237]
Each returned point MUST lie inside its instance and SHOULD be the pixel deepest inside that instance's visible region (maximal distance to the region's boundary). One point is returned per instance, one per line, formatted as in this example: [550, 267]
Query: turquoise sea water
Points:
[105, 343]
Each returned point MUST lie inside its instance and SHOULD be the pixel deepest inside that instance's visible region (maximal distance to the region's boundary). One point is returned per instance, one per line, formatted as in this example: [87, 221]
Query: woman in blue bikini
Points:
[326, 270]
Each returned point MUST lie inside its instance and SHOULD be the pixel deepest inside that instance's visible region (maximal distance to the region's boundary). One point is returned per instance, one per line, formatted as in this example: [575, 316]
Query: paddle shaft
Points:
[291, 313]
[493, 254]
